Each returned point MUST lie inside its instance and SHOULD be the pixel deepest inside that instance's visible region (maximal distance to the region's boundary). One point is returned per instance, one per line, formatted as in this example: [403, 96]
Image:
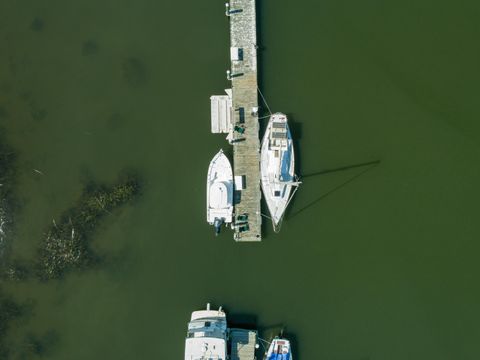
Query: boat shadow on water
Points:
[369, 165]
[243, 321]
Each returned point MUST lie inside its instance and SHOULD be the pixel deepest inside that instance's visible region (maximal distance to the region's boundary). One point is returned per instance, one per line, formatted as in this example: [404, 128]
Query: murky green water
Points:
[373, 261]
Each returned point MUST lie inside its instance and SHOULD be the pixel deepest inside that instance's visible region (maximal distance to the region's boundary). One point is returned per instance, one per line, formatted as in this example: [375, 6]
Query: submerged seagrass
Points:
[66, 243]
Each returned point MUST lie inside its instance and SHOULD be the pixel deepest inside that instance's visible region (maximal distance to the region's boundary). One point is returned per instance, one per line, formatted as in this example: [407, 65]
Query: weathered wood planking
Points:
[246, 152]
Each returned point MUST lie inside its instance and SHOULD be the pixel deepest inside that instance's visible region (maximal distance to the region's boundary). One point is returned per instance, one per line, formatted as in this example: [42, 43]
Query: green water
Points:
[373, 261]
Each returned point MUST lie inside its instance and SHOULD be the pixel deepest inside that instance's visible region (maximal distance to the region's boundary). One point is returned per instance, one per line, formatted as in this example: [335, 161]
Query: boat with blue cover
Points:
[279, 350]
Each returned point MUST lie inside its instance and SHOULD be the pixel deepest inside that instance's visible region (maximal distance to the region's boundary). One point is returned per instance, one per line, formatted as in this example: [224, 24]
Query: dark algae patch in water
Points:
[37, 24]
[66, 245]
[3, 113]
[89, 47]
[9, 311]
[32, 345]
[38, 345]
[7, 185]
[134, 72]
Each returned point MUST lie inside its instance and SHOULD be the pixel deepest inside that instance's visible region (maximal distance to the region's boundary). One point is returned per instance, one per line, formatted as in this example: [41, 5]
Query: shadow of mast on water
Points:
[348, 167]
[370, 164]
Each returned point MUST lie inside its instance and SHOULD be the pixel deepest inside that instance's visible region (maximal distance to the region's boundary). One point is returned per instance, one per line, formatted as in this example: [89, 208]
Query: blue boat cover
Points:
[285, 165]
[279, 357]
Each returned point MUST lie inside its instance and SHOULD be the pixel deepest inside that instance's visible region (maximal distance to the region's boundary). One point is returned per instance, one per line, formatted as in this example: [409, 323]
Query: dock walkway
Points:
[242, 344]
[246, 145]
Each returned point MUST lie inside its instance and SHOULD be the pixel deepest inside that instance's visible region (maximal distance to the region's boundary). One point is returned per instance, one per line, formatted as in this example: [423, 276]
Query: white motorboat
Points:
[219, 191]
[277, 165]
[207, 335]
[279, 349]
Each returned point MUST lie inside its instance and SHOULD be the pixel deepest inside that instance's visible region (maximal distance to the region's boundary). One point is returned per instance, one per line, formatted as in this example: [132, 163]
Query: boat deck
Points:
[246, 143]
[242, 344]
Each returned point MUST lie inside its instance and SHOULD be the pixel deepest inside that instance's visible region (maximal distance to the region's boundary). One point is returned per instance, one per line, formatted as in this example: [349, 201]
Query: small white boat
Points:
[277, 167]
[219, 191]
[279, 350]
[207, 335]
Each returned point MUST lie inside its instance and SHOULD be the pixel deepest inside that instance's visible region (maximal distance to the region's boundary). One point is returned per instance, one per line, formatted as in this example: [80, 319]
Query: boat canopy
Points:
[219, 195]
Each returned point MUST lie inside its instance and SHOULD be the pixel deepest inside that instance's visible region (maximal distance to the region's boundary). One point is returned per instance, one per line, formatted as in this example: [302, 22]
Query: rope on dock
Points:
[263, 342]
[268, 217]
[264, 117]
[264, 101]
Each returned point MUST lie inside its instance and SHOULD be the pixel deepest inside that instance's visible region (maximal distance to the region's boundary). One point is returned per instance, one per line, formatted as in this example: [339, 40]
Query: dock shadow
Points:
[267, 333]
[243, 321]
[296, 351]
[237, 197]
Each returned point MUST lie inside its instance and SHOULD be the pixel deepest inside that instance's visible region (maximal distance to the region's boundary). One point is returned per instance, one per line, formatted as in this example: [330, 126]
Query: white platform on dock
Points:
[221, 112]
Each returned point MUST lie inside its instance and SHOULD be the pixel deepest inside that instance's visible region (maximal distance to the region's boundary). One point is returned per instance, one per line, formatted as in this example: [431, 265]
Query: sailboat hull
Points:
[277, 167]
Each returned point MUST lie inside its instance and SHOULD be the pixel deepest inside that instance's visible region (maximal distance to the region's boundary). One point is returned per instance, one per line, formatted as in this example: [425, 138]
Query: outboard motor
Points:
[218, 225]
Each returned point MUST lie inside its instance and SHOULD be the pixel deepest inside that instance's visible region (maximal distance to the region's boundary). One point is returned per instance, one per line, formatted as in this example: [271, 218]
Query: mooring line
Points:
[268, 217]
[264, 101]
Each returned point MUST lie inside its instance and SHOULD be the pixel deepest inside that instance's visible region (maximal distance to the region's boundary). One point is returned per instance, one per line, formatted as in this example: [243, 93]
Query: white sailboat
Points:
[207, 335]
[219, 191]
[277, 165]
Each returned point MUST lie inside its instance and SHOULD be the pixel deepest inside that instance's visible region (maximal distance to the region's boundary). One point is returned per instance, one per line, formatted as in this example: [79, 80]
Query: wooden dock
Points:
[243, 344]
[246, 145]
